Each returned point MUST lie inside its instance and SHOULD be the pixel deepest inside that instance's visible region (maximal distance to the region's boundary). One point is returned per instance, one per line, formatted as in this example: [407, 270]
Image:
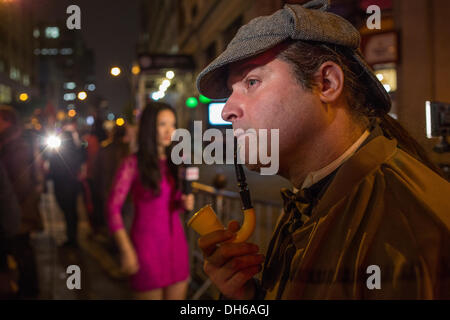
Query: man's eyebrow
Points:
[242, 70]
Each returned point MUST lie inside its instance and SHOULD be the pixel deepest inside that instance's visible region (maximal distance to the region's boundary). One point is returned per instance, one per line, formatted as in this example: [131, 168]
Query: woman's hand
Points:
[188, 201]
[129, 261]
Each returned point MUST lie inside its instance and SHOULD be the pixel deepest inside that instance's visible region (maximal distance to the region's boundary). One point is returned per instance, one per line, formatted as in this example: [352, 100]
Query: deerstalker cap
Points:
[310, 22]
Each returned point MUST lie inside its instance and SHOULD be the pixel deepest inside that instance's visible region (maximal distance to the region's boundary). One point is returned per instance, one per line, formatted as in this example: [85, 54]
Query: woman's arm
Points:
[121, 186]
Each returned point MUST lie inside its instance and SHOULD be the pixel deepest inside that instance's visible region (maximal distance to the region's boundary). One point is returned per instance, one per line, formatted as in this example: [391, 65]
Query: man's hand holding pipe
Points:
[231, 266]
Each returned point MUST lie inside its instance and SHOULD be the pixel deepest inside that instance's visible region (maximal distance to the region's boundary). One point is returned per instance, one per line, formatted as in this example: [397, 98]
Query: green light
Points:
[191, 102]
[204, 99]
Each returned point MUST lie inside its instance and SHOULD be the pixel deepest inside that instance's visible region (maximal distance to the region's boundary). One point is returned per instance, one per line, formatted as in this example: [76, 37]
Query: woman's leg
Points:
[176, 291]
[156, 294]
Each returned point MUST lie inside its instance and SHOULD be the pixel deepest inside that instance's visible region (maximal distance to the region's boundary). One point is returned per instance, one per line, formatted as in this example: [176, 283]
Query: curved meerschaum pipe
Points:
[205, 220]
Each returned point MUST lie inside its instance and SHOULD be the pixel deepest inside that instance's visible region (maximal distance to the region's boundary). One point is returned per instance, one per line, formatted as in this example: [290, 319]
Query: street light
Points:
[170, 74]
[115, 71]
[82, 95]
[23, 97]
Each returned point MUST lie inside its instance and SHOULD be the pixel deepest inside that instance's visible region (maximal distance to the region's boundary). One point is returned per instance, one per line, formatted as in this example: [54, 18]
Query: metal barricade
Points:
[227, 205]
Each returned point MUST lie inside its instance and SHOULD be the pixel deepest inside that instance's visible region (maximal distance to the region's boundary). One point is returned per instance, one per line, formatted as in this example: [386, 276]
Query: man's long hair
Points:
[306, 59]
[147, 154]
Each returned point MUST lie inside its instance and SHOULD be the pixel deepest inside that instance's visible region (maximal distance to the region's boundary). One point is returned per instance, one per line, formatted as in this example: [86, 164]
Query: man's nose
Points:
[232, 109]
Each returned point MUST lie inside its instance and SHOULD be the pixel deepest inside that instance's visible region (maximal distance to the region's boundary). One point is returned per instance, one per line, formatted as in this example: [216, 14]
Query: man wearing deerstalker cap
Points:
[369, 214]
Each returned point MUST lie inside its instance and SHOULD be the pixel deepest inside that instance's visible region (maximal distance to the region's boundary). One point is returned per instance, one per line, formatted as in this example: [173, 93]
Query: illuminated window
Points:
[69, 85]
[52, 32]
[5, 94]
[26, 80]
[387, 75]
[70, 96]
[66, 51]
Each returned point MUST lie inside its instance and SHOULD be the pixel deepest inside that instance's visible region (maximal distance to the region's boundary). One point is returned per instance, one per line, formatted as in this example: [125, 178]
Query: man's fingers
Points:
[233, 225]
[208, 243]
[239, 279]
[229, 250]
[240, 263]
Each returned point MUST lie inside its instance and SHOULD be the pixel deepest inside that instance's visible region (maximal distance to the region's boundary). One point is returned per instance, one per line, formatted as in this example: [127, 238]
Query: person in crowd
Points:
[9, 227]
[369, 214]
[156, 252]
[17, 158]
[91, 193]
[111, 154]
[64, 169]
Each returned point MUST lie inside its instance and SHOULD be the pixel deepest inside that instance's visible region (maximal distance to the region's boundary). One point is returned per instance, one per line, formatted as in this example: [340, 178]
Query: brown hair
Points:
[307, 57]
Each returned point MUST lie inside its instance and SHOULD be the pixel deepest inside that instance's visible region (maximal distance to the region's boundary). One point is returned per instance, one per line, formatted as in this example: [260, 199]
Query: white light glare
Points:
[157, 95]
[54, 142]
[90, 120]
[170, 75]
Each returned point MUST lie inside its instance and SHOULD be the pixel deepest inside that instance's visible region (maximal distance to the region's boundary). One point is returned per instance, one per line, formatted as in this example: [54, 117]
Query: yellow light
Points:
[135, 69]
[115, 71]
[82, 95]
[72, 113]
[60, 115]
[120, 122]
[23, 97]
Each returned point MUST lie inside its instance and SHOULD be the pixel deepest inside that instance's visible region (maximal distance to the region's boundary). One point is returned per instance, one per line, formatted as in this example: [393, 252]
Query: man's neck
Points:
[322, 150]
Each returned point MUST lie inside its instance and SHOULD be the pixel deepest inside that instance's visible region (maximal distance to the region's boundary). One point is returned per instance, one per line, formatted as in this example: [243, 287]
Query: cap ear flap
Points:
[321, 5]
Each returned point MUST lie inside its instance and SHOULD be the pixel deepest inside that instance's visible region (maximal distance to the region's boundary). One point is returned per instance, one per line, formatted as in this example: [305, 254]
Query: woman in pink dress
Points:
[155, 255]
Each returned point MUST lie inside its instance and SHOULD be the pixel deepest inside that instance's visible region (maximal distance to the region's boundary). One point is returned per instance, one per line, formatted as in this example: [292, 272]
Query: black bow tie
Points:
[299, 204]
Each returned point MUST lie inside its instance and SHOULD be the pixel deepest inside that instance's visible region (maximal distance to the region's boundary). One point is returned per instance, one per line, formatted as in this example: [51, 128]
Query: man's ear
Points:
[329, 82]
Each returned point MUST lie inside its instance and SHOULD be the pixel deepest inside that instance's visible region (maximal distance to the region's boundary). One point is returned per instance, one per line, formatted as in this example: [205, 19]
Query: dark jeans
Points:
[66, 192]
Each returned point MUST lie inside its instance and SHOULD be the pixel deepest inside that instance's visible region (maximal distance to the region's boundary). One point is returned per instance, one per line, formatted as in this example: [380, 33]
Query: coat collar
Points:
[352, 172]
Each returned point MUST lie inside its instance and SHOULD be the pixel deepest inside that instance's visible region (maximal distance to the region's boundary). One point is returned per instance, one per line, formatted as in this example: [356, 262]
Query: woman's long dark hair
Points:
[147, 154]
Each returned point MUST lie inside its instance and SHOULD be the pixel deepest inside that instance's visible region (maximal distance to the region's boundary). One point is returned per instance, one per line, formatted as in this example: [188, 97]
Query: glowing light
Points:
[69, 85]
[110, 116]
[82, 95]
[191, 102]
[91, 87]
[170, 75]
[90, 120]
[69, 96]
[380, 76]
[71, 113]
[387, 87]
[23, 97]
[204, 99]
[135, 70]
[53, 142]
[120, 122]
[115, 71]
[158, 95]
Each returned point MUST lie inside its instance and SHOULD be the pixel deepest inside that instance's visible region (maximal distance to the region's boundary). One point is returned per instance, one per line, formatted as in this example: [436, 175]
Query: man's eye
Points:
[252, 82]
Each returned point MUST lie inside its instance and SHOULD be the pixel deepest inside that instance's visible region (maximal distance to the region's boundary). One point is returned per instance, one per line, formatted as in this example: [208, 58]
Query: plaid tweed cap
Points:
[310, 22]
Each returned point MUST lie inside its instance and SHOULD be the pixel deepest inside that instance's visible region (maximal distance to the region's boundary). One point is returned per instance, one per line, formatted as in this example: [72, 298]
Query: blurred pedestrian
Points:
[106, 163]
[157, 255]
[65, 165]
[17, 158]
[9, 227]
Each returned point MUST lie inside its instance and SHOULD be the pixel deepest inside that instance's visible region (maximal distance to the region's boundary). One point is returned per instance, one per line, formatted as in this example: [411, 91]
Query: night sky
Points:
[110, 29]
